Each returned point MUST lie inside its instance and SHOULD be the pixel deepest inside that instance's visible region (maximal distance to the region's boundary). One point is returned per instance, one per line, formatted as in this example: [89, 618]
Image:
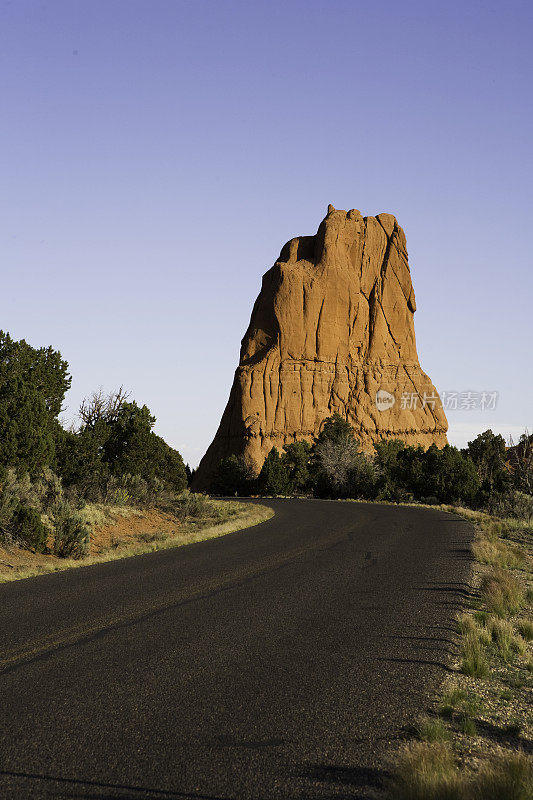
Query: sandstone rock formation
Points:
[332, 327]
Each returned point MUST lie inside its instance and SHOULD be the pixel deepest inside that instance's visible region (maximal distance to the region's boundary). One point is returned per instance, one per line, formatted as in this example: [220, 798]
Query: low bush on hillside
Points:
[28, 529]
[21, 503]
[41, 515]
[37, 516]
[71, 534]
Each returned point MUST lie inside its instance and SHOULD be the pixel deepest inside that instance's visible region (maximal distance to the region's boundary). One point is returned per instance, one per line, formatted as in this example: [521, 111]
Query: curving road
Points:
[283, 661]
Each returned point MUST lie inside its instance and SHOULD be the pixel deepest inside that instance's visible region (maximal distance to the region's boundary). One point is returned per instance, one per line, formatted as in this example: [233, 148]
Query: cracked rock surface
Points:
[332, 325]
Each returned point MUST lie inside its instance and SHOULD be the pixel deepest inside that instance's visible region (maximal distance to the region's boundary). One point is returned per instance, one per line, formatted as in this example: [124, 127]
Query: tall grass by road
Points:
[475, 744]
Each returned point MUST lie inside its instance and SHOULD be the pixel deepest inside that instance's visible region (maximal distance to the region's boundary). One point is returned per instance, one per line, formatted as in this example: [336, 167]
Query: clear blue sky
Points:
[157, 154]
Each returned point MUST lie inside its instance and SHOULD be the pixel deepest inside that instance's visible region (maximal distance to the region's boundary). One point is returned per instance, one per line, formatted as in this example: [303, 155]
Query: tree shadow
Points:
[97, 790]
[355, 777]
[426, 662]
[504, 736]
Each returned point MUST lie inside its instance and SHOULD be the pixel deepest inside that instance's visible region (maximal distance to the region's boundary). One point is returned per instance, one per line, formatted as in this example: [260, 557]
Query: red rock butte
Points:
[332, 326]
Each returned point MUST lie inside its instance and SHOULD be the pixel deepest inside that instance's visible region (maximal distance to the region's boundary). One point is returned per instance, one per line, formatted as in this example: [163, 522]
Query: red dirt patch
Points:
[146, 526]
[122, 529]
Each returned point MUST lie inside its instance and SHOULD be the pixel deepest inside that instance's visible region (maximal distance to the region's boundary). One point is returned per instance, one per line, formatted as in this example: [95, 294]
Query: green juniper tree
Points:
[274, 476]
[488, 452]
[116, 438]
[33, 383]
[232, 477]
[296, 457]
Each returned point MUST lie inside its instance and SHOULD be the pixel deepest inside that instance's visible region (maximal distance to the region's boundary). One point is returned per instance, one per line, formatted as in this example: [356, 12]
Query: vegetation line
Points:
[233, 517]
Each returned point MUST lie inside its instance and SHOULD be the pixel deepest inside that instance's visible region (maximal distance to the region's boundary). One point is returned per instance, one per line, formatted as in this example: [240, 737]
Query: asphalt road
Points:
[282, 661]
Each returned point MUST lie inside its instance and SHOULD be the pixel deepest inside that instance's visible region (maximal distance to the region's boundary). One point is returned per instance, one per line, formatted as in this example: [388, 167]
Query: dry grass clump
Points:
[426, 771]
[499, 554]
[432, 729]
[474, 662]
[502, 593]
[502, 632]
[451, 700]
[468, 625]
[525, 629]
[510, 777]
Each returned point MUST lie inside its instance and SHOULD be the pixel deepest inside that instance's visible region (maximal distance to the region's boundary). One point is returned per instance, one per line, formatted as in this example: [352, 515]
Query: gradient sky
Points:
[157, 154]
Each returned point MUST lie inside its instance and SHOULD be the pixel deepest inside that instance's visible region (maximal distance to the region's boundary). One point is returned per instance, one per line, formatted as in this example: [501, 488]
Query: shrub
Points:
[502, 593]
[131, 447]
[116, 438]
[48, 488]
[121, 497]
[189, 505]
[71, 535]
[488, 453]
[338, 467]
[29, 530]
[333, 462]
[21, 503]
[517, 505]
[15, 491]
[123, 490]
[362, 478]
[523, 507]
[435, 475]
[9, 504]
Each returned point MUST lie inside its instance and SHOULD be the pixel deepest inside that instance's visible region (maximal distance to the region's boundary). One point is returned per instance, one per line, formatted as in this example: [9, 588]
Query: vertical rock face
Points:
[331, 331]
